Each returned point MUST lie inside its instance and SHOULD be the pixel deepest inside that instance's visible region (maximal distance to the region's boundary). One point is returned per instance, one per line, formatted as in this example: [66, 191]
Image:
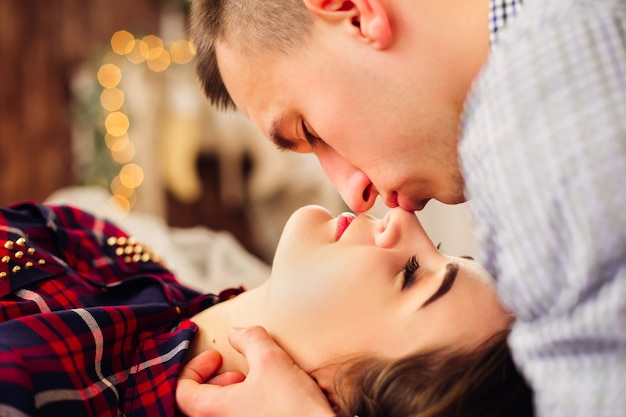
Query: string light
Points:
[109, 75]
[182, 51]
[122, 42]
[117, 123]
[158, 57]
[112, 99]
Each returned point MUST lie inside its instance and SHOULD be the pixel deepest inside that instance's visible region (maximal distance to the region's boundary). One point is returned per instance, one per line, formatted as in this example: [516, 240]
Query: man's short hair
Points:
[277, 25]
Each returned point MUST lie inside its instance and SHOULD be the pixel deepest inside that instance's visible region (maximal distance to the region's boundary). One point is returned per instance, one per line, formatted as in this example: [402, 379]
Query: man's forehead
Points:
[259, 91]
[236, 75]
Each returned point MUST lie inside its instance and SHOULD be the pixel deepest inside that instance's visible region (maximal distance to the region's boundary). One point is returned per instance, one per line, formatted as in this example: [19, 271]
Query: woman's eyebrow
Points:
[451, 271]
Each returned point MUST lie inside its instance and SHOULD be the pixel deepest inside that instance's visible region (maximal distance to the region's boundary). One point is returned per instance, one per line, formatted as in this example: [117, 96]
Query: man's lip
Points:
[343, 221]
[420, 205]
[410, 206]
[396, 200]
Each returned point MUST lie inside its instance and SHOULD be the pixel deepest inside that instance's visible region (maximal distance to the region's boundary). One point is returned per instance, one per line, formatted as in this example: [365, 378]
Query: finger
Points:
[227, 378]
[258, 347]
[191, 392]
[202, 367]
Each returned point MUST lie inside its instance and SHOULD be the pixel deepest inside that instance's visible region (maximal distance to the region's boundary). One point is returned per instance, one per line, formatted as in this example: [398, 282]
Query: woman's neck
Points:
[215, 322]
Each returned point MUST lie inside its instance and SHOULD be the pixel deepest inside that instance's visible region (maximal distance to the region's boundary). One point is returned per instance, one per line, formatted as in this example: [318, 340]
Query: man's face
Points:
[381, 126]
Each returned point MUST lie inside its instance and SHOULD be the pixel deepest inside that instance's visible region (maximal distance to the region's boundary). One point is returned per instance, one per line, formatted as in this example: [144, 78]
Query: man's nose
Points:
[354, 186]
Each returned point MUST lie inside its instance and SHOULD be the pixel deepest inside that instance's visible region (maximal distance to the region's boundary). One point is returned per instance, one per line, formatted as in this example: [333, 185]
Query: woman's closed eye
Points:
[410, 268]
[310, 137]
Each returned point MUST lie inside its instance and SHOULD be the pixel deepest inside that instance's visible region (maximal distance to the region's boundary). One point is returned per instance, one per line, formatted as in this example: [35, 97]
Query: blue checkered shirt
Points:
[543, 150]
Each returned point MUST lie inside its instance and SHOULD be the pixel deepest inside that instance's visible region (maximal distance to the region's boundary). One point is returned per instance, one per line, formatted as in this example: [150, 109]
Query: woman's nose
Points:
[354, 186]
[402, 229]
[388, 232]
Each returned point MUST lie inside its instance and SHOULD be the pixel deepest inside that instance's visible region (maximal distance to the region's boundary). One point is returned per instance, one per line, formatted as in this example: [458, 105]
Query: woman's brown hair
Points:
[481, 383]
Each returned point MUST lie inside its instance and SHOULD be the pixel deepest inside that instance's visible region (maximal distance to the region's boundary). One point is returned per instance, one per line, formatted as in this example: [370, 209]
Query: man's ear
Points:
[368, 17]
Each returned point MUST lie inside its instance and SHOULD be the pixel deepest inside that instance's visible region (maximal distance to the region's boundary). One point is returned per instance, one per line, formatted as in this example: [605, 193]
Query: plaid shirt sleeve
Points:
[91, 324]
[544, 157]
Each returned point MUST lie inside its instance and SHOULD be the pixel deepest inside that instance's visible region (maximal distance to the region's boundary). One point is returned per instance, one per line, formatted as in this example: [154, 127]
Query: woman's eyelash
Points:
[310, 137]
[410, 268]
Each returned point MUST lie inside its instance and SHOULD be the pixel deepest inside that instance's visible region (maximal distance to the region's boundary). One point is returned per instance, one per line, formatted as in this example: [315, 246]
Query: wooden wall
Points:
[41, 42]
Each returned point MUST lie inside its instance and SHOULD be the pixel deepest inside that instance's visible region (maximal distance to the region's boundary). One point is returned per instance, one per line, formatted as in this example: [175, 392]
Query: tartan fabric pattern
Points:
[543, 151]
[83, 330]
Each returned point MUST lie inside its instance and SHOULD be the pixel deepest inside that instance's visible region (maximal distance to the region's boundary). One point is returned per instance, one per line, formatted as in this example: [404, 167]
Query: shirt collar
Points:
[501, 13]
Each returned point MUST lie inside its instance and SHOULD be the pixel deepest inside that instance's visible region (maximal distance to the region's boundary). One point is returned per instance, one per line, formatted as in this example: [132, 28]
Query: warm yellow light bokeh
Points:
[116, 143]
[117, 188]
[122, 42]
[153, 42]
[131, 175]
[161, 62]
[120, 201]
[112, 99]
[151, 50]
[139, 53]
[125, 154]
[182, 51]
[116, 123]
[109, 75]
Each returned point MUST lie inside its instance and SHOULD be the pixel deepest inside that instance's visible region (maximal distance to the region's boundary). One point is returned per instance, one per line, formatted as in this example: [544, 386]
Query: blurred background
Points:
[102, 95]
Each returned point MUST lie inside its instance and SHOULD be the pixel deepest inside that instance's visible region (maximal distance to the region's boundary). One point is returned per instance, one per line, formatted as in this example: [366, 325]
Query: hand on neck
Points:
[215, 323]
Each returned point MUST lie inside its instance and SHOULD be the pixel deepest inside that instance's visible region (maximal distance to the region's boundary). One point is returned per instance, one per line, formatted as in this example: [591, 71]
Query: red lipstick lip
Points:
[343, 221]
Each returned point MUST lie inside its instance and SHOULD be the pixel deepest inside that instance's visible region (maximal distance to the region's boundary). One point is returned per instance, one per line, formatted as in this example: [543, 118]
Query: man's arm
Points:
[275, 386]
[544, 158]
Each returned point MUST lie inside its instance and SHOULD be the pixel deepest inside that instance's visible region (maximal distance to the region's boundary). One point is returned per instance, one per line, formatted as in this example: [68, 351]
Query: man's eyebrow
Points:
[278, 138]
[451, 271]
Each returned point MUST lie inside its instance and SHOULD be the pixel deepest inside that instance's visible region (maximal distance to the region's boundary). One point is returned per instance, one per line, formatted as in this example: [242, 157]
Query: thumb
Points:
[258, 347]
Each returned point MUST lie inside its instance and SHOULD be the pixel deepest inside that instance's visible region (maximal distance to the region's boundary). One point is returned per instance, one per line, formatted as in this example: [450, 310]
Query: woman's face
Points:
[344, 286]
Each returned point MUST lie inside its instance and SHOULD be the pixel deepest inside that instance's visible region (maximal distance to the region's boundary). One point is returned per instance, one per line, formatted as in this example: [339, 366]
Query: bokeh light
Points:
[158, 57]
[117, 188]
[116, 123]
[122, 42]
[109, 75]
[154, 44]
[182, 51]
[131, 175]
[160, 62]
[120, 201]
[139, 53]
[112, 99]
[116, 143]
[124, 155]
